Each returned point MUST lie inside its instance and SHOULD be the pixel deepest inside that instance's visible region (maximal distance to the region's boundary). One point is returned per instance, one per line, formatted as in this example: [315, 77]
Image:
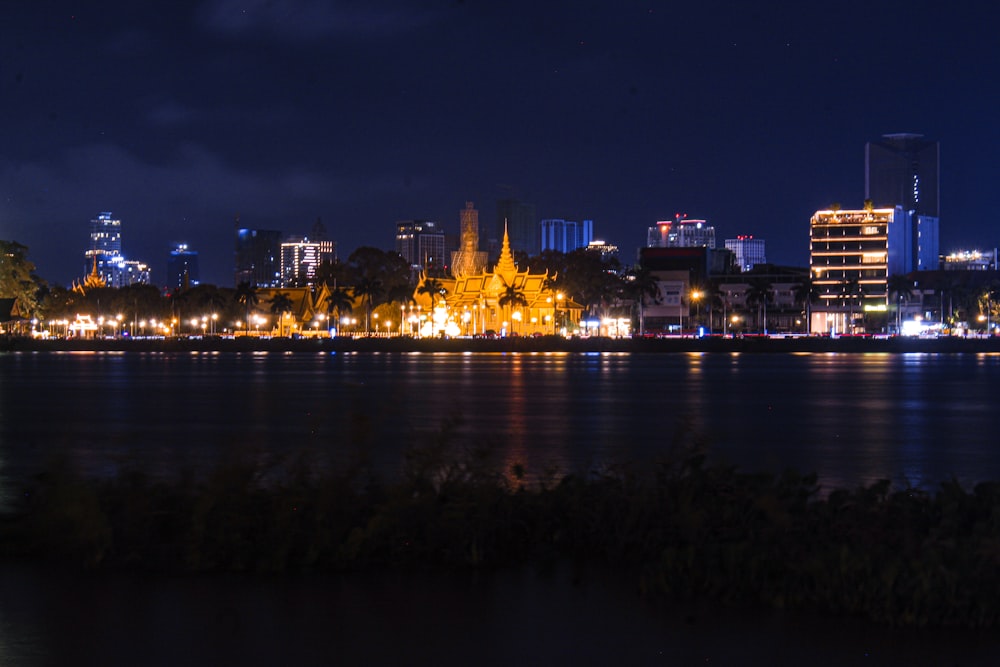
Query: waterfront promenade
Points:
[747, 344]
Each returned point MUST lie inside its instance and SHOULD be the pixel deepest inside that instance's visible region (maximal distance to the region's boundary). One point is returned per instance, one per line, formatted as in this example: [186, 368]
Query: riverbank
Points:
[678, 531]
[747, 344]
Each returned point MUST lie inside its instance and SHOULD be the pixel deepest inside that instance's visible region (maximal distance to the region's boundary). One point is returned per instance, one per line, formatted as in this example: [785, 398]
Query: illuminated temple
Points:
[505, 301]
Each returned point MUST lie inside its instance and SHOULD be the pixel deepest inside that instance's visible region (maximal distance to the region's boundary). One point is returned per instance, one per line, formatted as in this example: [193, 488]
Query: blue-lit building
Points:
[182, 268]
[565, 235]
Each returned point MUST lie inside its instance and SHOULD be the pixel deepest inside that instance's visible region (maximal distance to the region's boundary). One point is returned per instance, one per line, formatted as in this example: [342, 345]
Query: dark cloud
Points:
[309, 19]
[178, 115]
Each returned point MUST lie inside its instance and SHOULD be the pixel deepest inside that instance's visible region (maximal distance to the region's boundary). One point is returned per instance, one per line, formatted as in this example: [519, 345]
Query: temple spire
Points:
[506, 266]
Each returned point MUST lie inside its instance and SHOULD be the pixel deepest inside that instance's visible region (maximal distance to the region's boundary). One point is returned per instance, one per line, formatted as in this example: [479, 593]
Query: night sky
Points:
[177, 116]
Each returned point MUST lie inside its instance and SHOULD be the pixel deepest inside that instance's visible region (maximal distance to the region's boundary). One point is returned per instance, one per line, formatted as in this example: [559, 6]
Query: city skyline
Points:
[178, 117]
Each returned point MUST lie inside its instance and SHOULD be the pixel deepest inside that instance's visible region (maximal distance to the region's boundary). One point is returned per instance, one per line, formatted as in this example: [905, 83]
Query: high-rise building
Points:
[904, 170]
[747, 250]
[327, 246]
[519, 220]
[565, 235]
[851, 256]
[104, 254]
[105, 245]
[300, 258]
[182, 268]
[421, 243]
[681, 232]
[125, 272]
[258, 256]
[468, 260]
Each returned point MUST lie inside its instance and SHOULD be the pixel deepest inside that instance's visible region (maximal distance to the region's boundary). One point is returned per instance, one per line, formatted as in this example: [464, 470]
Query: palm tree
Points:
[368, 289]
[246, 295]
[899, 287]
[759, 294]
[712, 296]
[510, 298]
[339, 301]
[281, 303]
[433, 288]
[639, 284]
[988, 304]
[806, 295]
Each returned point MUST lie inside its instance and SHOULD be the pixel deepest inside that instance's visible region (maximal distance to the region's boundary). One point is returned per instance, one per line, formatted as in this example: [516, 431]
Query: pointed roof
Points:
[506, 268]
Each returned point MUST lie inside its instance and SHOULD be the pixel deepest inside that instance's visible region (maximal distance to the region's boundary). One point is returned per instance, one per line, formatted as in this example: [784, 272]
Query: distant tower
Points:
[657, 235]
[300, 257]
[105, 245]
[421, 243]
[690, 233]
[904, 170]
[565, 235]
[327, 246]
[468, 260]
[182, 268]
[748, 251]
[258, 256]
[517, 219]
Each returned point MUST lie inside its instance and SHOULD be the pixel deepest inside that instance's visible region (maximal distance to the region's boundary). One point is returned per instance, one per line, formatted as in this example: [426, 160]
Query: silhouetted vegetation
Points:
[686, 529]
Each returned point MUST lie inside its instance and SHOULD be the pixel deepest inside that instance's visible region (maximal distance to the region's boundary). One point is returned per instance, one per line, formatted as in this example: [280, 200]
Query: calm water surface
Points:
[851, 418]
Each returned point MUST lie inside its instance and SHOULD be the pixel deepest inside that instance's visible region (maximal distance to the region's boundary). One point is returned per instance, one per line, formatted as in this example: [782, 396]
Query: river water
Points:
[916, 418]
[852, 418]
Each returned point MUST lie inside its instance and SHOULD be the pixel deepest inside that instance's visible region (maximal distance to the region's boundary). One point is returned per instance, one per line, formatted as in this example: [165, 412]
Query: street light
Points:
[555, 311]
[695, 297]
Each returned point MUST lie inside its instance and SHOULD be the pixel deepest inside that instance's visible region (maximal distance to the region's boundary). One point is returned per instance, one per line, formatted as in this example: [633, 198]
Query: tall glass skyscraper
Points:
[105, 244]
[258, 257]
[903, 170]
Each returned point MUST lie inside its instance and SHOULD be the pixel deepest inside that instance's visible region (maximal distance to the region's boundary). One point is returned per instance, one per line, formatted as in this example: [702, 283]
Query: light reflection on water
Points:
[852, 418]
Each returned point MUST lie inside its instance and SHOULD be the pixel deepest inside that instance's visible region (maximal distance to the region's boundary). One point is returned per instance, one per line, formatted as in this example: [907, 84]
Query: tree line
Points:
[371, 278]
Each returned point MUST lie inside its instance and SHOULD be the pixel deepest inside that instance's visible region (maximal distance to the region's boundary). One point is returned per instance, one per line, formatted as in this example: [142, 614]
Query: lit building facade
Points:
[104, 258]
[327, 246]
[300, 258]
[851, 256]
[748, 251]
[422, 244]
[681, 233]
[970, 260]
[606, 250]
[565, 235]
[182, 268]
[105, 246]
[125, 272]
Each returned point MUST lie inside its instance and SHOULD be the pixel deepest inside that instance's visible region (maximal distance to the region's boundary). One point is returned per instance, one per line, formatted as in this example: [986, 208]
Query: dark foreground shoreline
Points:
[678, 531]
[544, 344]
